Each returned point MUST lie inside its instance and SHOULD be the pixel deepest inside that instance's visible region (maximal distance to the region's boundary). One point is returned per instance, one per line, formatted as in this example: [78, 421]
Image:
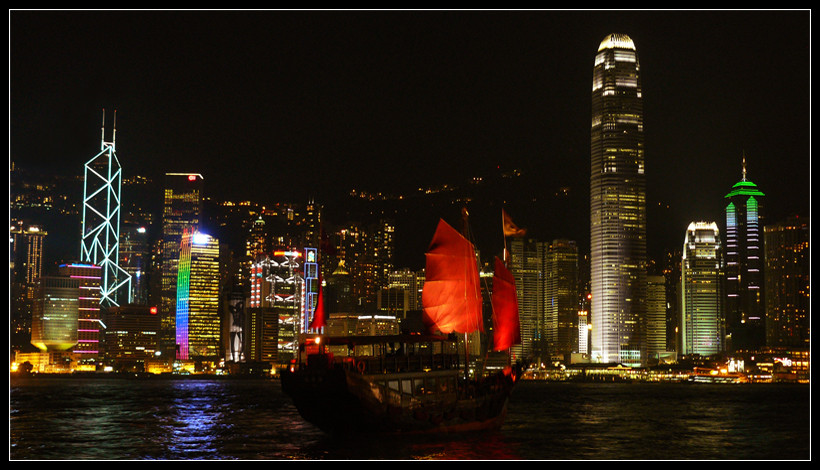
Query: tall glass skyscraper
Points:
[618, 204]
[526, 263]
[701, 322]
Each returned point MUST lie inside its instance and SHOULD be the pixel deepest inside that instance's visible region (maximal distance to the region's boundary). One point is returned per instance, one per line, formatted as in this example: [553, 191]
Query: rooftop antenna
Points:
[102, 137]
[744, 164]
[114, 136]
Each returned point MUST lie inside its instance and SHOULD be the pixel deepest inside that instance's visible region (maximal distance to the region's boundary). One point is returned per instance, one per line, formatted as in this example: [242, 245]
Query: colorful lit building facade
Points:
[310, 287]
[702, 297]
[89, 327]
[618, 204]
[182, 209]
[745, 303]
[198, 322]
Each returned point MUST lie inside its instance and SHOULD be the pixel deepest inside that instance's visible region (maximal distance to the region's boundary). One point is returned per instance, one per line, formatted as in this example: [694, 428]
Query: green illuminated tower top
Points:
[744, 187]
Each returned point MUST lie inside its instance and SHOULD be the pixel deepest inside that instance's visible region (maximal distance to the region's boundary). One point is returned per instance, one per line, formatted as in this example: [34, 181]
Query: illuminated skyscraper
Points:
[26, 268]
[135, 260]
[655, 316]
[131, 335]
[101, 221]
[26, 252]
[412, 281]
[310, 287]
[55, 315]
[527, 264]
[561, 302]
[745, 307]
[583, 332]
[89, 327]
[393, 301]
[276, 293]
[338, 291]
[701, 322]
[198, 323]
[367, 253]
[182, 209]
[788, 312]
[618, 204]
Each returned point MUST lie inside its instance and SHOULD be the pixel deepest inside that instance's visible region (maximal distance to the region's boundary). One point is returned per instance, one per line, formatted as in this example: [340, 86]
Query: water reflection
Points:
[249, 420]
[490, 446]
[195, 420]
[218, 420]
[469, 446]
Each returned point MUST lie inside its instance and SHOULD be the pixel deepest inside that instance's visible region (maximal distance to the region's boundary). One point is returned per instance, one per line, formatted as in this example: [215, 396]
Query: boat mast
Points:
[465, 231]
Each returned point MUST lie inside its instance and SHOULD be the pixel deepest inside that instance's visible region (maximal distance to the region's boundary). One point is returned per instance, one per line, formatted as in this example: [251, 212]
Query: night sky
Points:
[290, 105]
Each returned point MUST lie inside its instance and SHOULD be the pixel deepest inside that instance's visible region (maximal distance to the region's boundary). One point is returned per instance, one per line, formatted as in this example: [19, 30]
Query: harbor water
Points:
[233, 419]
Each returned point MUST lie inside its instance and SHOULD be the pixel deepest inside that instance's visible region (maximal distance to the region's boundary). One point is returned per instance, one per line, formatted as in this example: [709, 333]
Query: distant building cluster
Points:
[719, 303]
[234, 290]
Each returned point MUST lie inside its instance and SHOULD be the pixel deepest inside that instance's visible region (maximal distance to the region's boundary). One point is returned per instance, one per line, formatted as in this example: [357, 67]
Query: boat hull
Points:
[339, 400]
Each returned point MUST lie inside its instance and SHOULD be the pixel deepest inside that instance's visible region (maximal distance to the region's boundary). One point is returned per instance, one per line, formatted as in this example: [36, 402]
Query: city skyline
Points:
[526, 103]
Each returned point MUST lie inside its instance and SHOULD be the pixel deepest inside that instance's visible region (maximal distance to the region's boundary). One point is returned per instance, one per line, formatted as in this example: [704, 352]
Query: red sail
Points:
[506, 329]
[452, 293]
[319, 318]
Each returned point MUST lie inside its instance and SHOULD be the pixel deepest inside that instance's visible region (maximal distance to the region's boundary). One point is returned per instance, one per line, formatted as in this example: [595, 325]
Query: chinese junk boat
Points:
[415, 382]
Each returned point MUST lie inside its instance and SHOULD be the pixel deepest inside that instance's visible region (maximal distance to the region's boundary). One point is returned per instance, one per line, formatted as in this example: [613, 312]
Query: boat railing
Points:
[396, 363]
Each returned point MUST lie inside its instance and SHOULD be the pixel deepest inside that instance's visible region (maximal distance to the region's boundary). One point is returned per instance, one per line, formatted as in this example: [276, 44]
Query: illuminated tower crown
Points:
[101, 220]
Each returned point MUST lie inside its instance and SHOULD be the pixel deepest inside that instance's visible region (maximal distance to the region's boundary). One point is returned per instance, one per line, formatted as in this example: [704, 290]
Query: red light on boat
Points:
[191, 177]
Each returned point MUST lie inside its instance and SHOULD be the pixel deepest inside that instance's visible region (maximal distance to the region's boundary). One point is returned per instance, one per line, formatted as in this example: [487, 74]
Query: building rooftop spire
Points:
[744, 187]
[744, 166]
